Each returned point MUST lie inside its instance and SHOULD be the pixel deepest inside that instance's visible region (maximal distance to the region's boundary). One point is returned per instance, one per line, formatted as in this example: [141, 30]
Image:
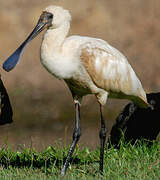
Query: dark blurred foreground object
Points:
[135, 123]
[5, 106]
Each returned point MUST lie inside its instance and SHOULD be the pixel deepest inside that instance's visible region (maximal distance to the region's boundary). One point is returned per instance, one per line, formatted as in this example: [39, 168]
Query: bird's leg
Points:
[76, 136]
[102, 135]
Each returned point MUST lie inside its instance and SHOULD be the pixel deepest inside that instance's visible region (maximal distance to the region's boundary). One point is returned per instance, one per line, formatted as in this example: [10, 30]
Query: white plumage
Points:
[88, 66]
[91, 64]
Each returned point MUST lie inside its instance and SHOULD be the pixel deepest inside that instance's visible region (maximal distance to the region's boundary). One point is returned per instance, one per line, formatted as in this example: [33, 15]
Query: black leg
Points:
[102, 135]
[76, 136]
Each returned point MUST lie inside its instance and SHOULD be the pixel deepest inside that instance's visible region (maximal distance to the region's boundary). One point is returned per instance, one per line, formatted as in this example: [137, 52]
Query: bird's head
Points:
[60, 16]
[52, 17]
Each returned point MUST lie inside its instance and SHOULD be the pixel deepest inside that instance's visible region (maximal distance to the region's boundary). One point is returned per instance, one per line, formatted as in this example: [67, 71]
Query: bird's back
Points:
[107, 67]
[110, 70]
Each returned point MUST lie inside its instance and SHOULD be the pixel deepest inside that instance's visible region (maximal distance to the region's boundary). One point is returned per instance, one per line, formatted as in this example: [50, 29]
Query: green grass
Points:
[129, 162]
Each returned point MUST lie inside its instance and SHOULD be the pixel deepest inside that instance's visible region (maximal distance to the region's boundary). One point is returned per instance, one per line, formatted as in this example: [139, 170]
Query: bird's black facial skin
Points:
[47, 17]
[45, 21]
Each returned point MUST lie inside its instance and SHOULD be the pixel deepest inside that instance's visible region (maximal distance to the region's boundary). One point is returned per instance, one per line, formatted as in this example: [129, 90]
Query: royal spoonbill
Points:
[87, 65]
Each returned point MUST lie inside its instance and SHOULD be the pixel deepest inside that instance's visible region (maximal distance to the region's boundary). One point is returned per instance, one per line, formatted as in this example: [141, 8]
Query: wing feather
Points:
[110, 70]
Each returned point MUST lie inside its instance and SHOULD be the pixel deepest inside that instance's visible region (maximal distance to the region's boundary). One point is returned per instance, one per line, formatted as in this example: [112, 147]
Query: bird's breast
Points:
[58, 65]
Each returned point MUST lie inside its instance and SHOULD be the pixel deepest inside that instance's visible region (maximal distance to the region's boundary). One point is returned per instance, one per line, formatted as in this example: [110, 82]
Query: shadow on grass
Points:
[30, 158]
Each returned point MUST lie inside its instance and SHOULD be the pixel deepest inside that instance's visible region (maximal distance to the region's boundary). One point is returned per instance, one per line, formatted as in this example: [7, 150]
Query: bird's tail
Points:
[6, 112]
[141, 101]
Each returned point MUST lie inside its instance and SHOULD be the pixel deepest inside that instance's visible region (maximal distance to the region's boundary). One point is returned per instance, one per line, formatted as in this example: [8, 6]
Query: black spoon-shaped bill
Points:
[45, 19]
[12, 60]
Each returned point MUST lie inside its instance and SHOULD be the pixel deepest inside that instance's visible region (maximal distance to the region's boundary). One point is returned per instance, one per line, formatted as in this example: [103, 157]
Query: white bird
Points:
[88, 66]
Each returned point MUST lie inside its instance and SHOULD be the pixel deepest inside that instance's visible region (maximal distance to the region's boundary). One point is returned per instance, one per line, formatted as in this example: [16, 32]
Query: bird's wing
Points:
[109, 69]
[5, 106]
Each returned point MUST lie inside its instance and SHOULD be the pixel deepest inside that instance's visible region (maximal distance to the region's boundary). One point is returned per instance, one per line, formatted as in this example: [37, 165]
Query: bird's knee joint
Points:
[77, 133]
[102, 97]
[102, 133]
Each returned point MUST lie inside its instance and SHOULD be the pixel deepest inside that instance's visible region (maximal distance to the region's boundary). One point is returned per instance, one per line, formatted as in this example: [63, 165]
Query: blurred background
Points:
[42, 105]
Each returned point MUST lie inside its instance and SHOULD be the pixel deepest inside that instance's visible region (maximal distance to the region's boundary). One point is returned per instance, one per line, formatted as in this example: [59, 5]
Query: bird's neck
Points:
[53, 38]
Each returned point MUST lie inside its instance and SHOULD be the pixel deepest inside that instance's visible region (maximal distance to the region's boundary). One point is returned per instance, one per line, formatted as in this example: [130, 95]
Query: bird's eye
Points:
[50, 16]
